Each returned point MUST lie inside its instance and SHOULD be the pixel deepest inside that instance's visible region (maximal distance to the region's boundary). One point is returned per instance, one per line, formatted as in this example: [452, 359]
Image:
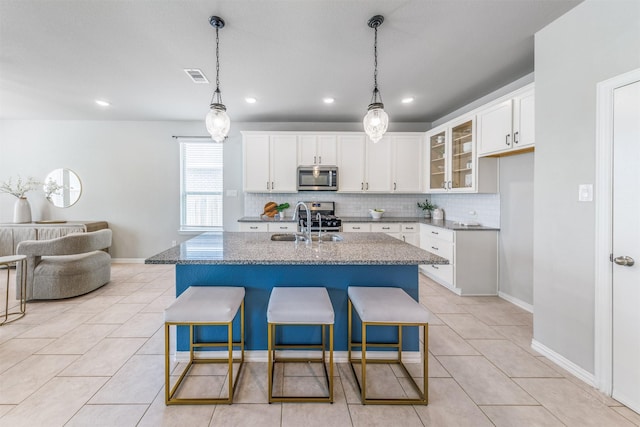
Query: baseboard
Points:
[564, 363]
[338, 356]
[127, 260]
[515, 301]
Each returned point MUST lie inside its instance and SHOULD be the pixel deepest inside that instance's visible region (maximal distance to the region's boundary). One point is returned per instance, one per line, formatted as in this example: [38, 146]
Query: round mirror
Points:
[62, 188]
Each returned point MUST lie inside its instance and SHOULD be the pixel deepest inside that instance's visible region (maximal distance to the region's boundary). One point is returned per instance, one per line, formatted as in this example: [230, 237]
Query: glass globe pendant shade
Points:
[218, 122]
[376, 121]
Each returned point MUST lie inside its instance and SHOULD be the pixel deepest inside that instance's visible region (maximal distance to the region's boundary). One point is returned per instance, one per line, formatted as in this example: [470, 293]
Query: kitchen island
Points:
[257, 263]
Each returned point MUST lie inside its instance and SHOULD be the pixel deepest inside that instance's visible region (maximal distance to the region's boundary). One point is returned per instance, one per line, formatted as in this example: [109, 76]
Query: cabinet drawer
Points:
[253, 226]
[410, 228]
[290, 227]
[389, 227]
[356, 227]
[443, 272]
[439, 233]
[439, 247]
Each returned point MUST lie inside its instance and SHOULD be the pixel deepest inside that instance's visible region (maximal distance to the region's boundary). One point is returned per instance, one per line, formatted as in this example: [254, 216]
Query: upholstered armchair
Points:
[67, 266]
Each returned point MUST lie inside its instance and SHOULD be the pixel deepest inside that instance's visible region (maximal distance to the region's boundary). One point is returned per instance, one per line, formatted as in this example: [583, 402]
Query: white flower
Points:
[20, 188]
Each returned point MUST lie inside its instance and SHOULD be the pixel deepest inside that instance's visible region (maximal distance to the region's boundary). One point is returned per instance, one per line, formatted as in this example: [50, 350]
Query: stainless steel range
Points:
[323, 215]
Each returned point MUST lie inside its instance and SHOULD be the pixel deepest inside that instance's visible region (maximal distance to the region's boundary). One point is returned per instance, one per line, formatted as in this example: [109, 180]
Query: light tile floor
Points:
[97, 360]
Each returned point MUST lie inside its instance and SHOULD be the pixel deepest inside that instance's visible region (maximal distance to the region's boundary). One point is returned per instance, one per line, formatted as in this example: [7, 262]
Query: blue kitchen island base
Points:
[258, 280]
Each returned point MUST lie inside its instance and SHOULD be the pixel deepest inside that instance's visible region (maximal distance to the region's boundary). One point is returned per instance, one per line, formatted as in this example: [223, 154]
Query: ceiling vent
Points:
[196, 75]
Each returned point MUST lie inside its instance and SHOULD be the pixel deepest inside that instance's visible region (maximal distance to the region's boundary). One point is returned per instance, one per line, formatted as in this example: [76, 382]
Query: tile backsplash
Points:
[457, 207]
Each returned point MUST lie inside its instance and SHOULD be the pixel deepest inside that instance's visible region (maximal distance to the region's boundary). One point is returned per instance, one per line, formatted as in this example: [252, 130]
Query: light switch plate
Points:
[585, 192]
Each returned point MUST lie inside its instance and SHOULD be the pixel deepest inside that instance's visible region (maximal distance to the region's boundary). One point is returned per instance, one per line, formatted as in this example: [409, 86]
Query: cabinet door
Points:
[407, 164]
[494, 128]
[524, 121]
[284, 156]
[327, 150]
[437, 154]
[351, 162]
[256, 163]
[307, 150]
[460, 164]
[379, 165]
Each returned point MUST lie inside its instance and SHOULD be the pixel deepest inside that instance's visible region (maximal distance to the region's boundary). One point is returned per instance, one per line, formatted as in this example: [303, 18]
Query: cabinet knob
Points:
[314, 160]
[395, 186]
[515, 137]
[434, 248]
[267, 185]
[319, 160]
[434, 266]
[506, 139]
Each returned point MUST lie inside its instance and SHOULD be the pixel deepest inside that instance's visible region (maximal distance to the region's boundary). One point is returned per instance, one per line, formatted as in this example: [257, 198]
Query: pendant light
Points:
[217, 120]
[376, 120]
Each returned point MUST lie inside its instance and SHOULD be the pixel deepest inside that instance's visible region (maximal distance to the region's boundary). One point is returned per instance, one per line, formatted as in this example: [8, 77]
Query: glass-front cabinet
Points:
[452, 157]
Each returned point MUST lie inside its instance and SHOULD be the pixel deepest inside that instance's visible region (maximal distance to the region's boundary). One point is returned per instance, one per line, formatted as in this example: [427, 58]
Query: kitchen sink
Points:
[292, 237]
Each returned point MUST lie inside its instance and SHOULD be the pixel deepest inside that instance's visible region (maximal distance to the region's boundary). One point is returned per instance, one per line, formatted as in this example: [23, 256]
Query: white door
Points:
[626, 246]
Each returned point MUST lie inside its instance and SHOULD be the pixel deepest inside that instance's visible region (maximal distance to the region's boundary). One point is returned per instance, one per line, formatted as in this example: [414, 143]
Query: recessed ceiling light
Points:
[102, 103]
[408, 100]
[251, 100]
[328, 100]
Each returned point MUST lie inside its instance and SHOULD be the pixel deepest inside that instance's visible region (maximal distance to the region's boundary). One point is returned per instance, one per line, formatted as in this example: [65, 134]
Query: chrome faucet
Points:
[319, 218]
[295, 215]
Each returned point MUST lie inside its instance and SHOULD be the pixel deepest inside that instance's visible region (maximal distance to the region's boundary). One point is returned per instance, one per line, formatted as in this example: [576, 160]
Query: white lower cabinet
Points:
[407, 232]
[356, 227]
[472, 255]
[272, 227]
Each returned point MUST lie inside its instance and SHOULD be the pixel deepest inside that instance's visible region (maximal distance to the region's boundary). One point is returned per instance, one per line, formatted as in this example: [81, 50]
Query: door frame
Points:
[603, 351]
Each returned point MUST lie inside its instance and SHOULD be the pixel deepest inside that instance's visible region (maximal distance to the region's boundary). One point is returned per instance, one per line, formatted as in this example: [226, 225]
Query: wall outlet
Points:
[173, 243]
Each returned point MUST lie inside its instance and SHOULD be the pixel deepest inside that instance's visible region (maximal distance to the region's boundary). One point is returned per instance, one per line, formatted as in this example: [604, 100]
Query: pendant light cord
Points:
[217, 95]
[375, 97]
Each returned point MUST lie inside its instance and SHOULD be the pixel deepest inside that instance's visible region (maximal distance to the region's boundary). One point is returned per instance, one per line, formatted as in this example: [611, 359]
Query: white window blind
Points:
[201, 184]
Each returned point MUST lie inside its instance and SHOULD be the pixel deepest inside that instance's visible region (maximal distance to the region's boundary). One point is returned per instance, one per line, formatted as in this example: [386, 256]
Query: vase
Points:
[21, 211]
[427, 214]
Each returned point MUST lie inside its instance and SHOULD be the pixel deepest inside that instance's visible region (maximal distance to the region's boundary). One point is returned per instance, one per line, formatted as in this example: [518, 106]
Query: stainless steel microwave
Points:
[317, 178]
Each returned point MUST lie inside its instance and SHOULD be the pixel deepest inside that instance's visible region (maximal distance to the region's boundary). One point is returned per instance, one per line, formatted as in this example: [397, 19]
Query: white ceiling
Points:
[58, 56]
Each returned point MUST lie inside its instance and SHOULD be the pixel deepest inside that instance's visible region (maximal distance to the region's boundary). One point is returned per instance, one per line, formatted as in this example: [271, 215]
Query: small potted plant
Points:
[282, 208]
[426, 207]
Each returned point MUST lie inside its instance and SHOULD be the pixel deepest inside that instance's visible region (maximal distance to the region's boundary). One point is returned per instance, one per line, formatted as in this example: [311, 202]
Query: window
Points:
[201, 171]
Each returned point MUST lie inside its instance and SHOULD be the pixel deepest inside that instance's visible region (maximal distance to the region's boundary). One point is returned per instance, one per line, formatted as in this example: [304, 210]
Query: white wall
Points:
[593, 42]
[516, 227]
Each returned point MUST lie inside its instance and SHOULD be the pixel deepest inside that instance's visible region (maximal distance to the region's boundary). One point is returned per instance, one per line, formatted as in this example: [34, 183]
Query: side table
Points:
[20, 261]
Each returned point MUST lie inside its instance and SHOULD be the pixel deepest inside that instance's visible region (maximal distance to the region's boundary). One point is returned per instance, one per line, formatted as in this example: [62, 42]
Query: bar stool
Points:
[20, 262]
[300, 306]
[386, 306]
[205, 306]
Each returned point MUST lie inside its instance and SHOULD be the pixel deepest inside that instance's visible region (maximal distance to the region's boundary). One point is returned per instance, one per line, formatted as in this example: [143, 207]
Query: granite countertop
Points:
[450, 225]
[228, 248]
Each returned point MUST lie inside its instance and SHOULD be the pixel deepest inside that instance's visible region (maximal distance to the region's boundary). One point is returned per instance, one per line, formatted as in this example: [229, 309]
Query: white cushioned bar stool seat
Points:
[206, 306]
[300, 306]
[386, 306]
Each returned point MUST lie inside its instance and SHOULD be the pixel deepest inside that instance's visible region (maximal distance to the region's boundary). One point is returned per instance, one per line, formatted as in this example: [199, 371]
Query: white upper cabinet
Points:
[407, 163]
[378, 165]
[270, 163]
[317, 150]
[453, 165]
[351, 162]
[393, 164]
[507, 126]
